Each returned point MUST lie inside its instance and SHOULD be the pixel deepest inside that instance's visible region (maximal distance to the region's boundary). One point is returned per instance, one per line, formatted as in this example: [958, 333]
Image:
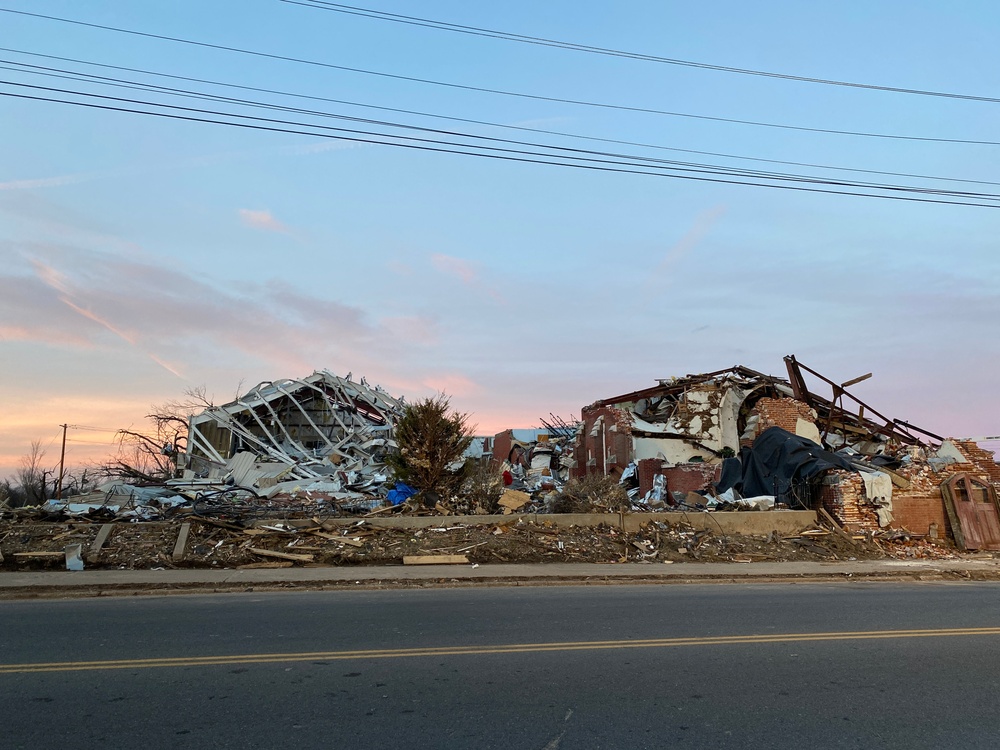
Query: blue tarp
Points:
[400, 494]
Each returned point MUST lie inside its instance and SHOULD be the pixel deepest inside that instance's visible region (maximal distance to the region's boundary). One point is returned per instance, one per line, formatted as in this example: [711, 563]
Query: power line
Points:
[542, 41]
[479, 122]
[117, 82]
[566, 153]
[501, 92]
[510, 155]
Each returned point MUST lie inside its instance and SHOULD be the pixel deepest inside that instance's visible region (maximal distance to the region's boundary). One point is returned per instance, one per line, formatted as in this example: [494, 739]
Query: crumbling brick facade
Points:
[778, 412]
[843, 497]
[691, 477]
[605, 447]
[916, 507]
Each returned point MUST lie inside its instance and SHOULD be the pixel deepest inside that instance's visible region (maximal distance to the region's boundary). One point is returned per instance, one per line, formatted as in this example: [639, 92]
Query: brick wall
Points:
[780, 412]
[983, 460]
[690, 477]
[647, 469]
[617, 442]
[843, 497]
[502, 443]
[917, 513]
[913, 509]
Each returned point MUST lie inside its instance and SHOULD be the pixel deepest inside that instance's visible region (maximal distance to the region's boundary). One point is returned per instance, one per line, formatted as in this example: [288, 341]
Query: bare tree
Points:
[151, 456]
[29, 484]
[31, 476]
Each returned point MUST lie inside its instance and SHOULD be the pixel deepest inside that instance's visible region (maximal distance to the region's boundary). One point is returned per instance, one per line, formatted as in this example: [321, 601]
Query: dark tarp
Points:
[777, 460]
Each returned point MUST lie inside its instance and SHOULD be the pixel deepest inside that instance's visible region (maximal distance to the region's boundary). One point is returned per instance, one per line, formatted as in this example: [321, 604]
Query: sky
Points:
[144, 256]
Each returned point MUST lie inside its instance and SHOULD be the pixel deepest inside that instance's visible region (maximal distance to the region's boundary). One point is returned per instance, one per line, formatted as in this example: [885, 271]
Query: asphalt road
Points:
[713, 666]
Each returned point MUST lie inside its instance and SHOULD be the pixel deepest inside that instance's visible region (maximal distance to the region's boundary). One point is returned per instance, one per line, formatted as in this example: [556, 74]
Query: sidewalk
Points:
[130, 582]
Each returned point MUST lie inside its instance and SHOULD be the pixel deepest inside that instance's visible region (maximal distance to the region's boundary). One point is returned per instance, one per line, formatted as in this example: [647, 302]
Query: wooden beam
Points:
[281, 555]
[435, 559]
[837, 528]
[855, 381]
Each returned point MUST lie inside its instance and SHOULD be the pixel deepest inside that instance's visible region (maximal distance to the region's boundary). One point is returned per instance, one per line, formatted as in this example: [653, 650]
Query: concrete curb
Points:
[132, 582]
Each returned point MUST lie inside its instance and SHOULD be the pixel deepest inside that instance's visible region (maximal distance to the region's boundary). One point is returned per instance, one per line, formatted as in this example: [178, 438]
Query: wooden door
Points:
[973, 511]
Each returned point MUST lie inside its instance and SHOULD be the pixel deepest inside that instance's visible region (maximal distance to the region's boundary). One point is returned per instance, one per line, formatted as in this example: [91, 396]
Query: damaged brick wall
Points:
[916, 507]
[684, 478]
[983, 461]
[843, 497]
[778, 412]
[502, 443]
[917, 513]
[647, 469]
[691, 477]
[612, 438]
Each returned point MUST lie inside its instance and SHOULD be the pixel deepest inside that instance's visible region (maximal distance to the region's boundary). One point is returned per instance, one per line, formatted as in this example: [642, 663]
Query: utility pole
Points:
[62, 462]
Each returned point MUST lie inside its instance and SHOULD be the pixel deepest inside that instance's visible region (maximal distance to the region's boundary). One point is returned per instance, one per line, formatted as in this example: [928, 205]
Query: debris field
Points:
[211, 543]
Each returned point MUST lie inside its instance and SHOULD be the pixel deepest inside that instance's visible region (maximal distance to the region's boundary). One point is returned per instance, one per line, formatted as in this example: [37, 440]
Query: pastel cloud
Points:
[456, 267]
[46, 182]
[76, 297]
[464, 271]
[702, 224]
[262, 219]
[454, 384]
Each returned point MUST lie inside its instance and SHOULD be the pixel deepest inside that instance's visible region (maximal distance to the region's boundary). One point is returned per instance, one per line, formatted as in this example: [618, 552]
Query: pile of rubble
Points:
[324, 436]
[192, 541]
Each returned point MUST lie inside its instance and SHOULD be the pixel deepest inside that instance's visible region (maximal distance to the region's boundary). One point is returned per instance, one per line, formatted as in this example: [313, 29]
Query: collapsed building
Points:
[734, 439]
[741, 430]
[323, 433]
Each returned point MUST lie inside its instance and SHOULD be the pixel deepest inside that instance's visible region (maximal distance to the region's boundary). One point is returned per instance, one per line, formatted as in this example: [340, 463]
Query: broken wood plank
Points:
[39, 554]
[837, 528]
[281, 555]
[220, 524]
[434, 559]
[102, 537]
[265, 565]
[182, 539]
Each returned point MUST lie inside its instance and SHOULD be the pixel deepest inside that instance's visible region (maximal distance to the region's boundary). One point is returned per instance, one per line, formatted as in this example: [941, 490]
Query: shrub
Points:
[591, 494]
[483, 486]
[431, 440]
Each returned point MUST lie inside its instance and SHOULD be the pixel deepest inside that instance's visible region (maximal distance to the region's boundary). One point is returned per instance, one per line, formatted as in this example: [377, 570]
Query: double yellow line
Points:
[517, 648]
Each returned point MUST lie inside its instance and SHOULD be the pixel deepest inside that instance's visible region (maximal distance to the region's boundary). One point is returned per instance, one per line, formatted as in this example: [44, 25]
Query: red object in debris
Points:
[508, 479]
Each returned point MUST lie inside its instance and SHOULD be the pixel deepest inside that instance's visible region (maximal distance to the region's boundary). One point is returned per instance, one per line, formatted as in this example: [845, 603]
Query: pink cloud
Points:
[71, 296]
[454, 267]
[422, 330]
[262, 219]
[454, 384]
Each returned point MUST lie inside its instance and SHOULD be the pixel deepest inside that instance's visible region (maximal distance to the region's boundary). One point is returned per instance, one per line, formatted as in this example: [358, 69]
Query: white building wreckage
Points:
[323, 432]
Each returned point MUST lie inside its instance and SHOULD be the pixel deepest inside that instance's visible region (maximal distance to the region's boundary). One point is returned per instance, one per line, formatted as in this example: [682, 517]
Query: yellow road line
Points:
[516, 648]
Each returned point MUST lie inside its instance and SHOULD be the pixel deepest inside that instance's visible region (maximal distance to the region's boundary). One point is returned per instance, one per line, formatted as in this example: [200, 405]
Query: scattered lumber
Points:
[435, 559]
[837, 528]
[39, 554]
[281, 555]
